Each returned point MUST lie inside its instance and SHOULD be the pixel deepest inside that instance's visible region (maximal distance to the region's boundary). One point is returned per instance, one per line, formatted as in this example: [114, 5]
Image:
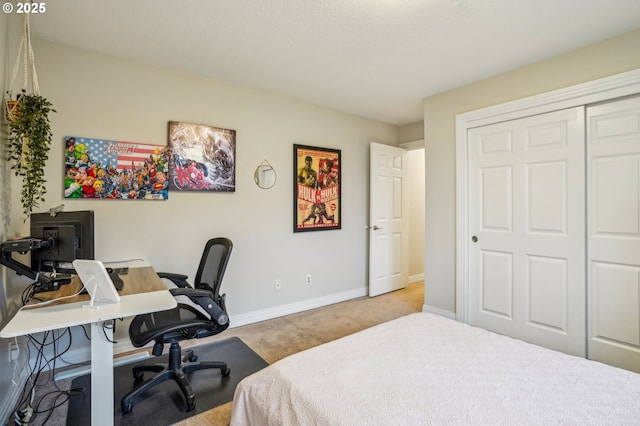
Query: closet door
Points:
[527, 221]
[613, 171]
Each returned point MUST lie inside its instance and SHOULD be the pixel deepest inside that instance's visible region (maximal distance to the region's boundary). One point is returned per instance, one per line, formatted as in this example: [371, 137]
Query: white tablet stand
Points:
[96, 280]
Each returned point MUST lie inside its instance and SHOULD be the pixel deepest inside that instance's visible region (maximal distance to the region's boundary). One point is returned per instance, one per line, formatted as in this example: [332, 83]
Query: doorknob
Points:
[376, 227]
[474, 239]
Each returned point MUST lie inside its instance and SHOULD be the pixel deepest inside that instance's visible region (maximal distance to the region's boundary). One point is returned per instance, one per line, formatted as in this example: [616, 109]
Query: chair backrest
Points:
[213, 264]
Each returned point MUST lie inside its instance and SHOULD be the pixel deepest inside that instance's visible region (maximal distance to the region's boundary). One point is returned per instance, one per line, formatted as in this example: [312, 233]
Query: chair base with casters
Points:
[176, 371]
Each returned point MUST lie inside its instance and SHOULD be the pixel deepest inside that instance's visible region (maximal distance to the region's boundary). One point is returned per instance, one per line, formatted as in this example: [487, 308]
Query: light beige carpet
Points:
[277, 338]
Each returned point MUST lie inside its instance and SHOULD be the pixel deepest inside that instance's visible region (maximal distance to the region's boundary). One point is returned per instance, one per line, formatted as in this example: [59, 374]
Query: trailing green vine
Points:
[29, 143]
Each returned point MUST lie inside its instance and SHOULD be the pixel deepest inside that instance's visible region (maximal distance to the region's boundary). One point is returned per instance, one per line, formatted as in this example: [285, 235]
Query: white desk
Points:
[143, 292]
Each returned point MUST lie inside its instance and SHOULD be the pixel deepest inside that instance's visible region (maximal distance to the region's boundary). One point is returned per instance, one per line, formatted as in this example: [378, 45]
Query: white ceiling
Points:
[373, 58]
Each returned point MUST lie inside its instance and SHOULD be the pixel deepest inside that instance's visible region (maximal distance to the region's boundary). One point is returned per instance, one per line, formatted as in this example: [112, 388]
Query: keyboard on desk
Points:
[62, 278]
[57, 279]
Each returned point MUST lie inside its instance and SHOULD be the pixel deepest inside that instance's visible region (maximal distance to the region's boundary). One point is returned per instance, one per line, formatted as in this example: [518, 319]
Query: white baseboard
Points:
[438, 311]
[294, 308]
[86, 369]
[416, 278]
[81, 352]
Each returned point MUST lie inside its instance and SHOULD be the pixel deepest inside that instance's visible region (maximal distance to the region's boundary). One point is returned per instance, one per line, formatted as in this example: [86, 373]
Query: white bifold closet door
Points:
[527, 227]
[613, 252]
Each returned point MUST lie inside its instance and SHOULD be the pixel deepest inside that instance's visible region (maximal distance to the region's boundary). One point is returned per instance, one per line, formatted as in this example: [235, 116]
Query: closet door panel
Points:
[548, 292]
[613, 172]
[547, 200]
[616, 289]
[526, 210]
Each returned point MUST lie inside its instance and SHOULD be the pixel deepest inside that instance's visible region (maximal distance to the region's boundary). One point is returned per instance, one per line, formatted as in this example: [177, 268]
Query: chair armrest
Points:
[203, 298]
[180, 280]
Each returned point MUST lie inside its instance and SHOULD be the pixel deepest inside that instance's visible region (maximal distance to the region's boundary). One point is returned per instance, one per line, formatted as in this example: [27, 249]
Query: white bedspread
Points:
[426, 369]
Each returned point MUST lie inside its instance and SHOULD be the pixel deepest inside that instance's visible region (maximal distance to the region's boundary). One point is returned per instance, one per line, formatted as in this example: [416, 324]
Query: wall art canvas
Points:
[317, 181]
[98, 168]
[203, 158]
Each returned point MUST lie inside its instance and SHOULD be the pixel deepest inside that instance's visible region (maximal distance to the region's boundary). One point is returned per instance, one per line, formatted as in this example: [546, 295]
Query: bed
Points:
[427, 369]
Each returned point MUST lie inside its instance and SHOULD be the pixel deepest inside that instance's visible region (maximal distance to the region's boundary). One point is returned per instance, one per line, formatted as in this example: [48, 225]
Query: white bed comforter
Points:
[426, 369]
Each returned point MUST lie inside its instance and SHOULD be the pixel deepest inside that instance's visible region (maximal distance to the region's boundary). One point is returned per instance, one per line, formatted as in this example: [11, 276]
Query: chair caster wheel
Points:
[226, 372]
[138, 375]
[189, 356]
[191, 406]
[126, 408]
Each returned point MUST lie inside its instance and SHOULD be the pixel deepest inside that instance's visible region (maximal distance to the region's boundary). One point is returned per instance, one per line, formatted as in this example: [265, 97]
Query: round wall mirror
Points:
[264, 175]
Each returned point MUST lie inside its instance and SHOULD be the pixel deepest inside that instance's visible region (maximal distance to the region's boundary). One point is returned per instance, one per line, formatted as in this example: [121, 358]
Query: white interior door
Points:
[613, 154]
[526, 222]
[388, 220]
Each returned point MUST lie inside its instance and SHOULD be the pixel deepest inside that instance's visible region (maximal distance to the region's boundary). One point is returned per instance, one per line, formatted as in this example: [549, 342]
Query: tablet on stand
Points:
[96, 280]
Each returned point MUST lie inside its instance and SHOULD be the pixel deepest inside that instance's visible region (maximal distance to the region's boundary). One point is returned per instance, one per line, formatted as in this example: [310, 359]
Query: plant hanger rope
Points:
[28, 64]
[28, 61]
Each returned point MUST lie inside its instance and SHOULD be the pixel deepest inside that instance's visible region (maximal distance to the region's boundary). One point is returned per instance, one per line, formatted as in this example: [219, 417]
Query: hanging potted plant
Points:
[29, 143]
[30, 132]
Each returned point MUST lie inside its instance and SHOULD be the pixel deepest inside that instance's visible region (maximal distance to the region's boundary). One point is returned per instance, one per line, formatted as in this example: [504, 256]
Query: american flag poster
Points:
[97, 168]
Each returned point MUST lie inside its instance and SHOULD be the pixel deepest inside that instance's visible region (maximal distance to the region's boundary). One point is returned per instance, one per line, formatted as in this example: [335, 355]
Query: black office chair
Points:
[185, 321]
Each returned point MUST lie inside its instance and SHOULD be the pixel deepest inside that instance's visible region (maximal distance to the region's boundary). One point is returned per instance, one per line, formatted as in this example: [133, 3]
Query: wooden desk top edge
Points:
[138, 279]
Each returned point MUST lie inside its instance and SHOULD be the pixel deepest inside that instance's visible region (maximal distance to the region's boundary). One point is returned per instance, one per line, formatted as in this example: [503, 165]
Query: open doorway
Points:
[416, 185]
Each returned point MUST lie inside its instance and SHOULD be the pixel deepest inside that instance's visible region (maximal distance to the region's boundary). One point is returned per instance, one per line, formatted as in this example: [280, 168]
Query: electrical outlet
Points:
[308, 279]
[27, 413]
[14, 353]
[277, 285]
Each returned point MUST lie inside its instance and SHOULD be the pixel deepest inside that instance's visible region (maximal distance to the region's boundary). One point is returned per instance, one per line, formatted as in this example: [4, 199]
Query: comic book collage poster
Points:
[202, 158]
[316, 188]
[96, 168]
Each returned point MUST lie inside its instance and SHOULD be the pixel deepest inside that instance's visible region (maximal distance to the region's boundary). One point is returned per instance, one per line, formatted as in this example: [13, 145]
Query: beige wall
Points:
[104, 97]
[412, 132]
[603, 59]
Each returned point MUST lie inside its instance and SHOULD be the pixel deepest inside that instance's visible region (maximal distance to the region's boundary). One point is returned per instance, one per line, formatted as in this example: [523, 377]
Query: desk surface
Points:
[140, 278]
[143, 292]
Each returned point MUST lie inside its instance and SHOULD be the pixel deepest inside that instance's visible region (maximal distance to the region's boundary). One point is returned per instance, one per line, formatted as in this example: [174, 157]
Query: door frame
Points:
[604, 89]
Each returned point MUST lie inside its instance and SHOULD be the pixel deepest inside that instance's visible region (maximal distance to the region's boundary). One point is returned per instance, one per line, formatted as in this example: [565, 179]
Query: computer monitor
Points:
[72, 236]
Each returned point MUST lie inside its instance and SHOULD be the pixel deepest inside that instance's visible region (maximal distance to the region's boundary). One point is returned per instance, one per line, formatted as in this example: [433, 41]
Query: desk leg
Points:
[101, 375]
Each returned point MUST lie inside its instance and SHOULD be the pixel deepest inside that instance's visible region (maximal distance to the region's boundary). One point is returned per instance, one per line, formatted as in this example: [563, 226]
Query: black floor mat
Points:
[164, 403]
